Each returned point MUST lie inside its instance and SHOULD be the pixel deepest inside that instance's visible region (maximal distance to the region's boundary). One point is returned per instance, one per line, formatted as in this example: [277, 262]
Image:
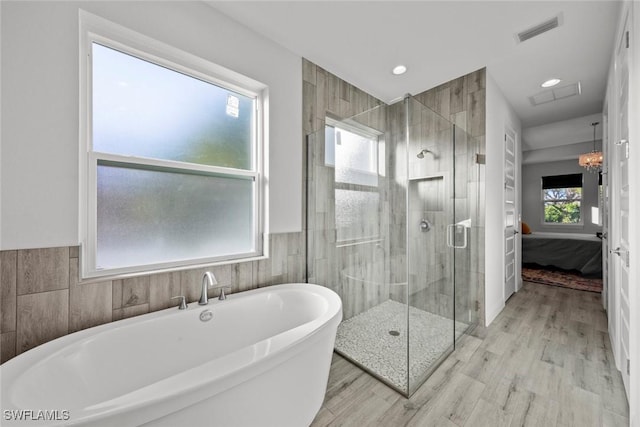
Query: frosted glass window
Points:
[354, 156]
[357, 215]
[152, 217]
[173, 161]
[146, 110]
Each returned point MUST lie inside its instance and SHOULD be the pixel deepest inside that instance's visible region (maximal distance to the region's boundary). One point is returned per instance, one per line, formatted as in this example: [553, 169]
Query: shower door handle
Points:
[452, 230]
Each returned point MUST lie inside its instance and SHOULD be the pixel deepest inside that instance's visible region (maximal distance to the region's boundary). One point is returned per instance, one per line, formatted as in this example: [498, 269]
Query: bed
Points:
[568, 251]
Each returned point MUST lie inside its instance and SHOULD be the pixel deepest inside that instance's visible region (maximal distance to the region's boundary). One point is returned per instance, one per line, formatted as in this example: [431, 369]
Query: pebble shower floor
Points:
[377, 340]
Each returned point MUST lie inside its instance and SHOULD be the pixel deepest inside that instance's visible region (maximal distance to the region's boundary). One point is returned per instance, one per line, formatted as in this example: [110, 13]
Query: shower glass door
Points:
[467, 212]
[384, 233]
[353, 245]
[432, 236]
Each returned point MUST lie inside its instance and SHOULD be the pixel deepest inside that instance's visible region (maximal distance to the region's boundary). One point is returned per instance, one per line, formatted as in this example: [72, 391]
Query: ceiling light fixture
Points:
[399, 69]
[551, 83]
[592, 161]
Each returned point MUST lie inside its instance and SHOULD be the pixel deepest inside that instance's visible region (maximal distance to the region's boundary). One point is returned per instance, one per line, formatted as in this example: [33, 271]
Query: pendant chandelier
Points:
[592, 161]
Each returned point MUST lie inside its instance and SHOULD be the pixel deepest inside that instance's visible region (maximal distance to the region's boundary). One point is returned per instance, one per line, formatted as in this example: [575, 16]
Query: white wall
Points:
[39, 165]
[499, 115]
[1, 129]
[531, 195]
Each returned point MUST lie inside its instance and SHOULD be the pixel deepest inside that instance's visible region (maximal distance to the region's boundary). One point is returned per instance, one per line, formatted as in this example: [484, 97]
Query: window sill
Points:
[119, 276]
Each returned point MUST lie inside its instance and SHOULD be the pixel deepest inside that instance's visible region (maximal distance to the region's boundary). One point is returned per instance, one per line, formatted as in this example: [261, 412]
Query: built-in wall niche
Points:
[427, 193]
[430, 212]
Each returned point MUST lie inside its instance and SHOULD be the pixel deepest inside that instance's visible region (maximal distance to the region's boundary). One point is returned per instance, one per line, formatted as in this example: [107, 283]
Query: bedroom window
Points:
[173, 162]
[562, 198]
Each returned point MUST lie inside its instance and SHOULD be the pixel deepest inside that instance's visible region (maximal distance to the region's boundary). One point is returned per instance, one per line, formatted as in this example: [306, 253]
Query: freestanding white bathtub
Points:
[261, 360]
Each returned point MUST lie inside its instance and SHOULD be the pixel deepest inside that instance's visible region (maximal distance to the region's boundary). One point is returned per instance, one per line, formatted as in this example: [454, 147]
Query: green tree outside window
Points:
[562, 205]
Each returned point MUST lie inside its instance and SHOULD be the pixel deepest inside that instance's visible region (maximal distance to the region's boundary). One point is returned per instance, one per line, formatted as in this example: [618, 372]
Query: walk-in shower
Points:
[390, 231]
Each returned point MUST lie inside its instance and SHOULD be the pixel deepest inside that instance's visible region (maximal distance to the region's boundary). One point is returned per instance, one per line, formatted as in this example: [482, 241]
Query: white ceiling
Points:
[361, 41]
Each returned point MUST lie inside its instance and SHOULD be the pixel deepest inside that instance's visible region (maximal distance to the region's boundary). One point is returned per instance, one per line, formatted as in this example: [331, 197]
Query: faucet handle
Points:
[222, 296]
[183, 302]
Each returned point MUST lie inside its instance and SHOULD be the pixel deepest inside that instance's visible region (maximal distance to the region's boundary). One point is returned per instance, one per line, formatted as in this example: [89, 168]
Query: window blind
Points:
[573, 180]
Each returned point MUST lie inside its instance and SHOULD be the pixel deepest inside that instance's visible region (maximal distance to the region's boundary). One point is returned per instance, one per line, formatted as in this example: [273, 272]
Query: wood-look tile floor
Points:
[545, 361]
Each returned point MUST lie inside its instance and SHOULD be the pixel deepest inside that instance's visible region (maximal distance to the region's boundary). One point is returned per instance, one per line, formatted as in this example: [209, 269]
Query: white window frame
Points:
[94, 29]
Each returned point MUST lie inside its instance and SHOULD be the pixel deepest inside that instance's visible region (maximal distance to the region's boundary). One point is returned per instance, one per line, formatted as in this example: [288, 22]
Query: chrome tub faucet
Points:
[208, 280]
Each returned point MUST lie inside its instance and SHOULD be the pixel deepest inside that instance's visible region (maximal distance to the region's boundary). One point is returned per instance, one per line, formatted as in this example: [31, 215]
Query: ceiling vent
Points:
[556, 94]
[539, 29]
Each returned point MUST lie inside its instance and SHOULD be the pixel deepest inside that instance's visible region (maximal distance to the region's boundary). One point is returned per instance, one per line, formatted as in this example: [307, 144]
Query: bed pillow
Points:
[525, 228]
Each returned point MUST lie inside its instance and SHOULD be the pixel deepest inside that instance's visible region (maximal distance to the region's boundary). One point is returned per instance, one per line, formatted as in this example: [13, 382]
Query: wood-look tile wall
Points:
[41, 299]
[350, 270]
[463, 102]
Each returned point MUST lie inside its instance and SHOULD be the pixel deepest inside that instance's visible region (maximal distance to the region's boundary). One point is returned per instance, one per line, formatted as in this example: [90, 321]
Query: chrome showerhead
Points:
[421, 154]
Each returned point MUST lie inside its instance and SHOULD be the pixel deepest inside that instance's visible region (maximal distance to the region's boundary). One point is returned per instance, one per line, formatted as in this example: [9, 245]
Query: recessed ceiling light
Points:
[551, 83]
[399, 69]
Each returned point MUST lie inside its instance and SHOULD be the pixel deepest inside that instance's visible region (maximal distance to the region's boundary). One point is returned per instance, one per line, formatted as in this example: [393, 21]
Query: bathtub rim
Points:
[173, 390]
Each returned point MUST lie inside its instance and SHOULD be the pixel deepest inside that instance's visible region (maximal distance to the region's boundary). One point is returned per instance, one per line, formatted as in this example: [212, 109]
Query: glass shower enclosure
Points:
[389, 229]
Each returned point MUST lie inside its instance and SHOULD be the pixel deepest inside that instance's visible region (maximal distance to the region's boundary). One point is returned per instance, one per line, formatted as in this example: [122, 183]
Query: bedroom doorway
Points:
[511, 214]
